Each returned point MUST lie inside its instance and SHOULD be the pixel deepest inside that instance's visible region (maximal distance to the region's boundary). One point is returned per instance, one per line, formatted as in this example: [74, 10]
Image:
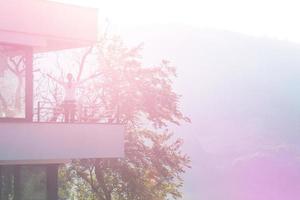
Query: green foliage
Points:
[143, 99]
[148, 171]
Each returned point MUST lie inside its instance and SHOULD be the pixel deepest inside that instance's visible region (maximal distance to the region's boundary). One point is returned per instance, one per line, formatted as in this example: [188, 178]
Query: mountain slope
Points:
[242, 94]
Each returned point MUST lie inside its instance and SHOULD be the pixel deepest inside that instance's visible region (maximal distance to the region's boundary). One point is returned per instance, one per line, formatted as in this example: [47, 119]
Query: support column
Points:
[17, 186]
[29, 84]
[1, 182]
[52, 182]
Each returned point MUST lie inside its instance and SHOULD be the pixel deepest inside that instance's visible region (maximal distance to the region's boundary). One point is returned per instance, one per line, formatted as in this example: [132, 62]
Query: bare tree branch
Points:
[82, 62]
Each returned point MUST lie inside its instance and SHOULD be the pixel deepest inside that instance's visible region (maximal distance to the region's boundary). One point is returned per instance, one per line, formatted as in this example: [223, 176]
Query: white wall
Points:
[49, 142]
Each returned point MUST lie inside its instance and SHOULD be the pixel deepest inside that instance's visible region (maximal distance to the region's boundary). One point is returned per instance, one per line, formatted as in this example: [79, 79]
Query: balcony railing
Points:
[53, 112]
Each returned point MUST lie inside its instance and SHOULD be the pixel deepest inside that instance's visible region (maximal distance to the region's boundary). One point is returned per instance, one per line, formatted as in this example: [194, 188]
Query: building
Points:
[27, 147]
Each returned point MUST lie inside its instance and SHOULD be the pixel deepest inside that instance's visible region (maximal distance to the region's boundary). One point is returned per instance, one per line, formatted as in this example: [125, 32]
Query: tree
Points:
[143, 99]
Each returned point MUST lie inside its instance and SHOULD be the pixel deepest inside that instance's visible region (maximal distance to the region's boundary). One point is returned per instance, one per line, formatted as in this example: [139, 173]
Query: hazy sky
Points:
[271, 18]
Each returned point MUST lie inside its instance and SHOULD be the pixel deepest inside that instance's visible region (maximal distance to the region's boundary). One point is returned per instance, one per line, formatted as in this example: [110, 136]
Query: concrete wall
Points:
[32, 143]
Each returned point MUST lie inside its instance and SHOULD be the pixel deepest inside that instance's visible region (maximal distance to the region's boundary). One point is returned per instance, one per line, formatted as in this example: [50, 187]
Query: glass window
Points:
[12, 81]
[23, 182]
[33, 183]
[7, 179]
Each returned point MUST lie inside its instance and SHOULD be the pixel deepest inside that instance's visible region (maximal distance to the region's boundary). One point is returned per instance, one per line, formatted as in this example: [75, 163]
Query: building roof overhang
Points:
[47, 25]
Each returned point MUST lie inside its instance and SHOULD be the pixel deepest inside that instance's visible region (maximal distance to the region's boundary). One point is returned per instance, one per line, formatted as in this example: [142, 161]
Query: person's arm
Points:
[54, 79]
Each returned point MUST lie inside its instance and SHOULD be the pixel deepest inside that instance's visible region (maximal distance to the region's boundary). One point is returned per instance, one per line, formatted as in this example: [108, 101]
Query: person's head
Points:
[70, 77]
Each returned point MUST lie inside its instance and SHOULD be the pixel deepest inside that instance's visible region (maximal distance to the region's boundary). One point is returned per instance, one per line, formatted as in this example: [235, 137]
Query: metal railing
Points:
[55, 112]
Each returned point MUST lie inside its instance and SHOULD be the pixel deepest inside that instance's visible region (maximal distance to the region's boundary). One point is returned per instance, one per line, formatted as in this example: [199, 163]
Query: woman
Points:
[69, 103]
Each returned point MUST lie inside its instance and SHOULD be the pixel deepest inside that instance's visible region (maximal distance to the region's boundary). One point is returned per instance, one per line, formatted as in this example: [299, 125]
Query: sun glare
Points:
[256, 17]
